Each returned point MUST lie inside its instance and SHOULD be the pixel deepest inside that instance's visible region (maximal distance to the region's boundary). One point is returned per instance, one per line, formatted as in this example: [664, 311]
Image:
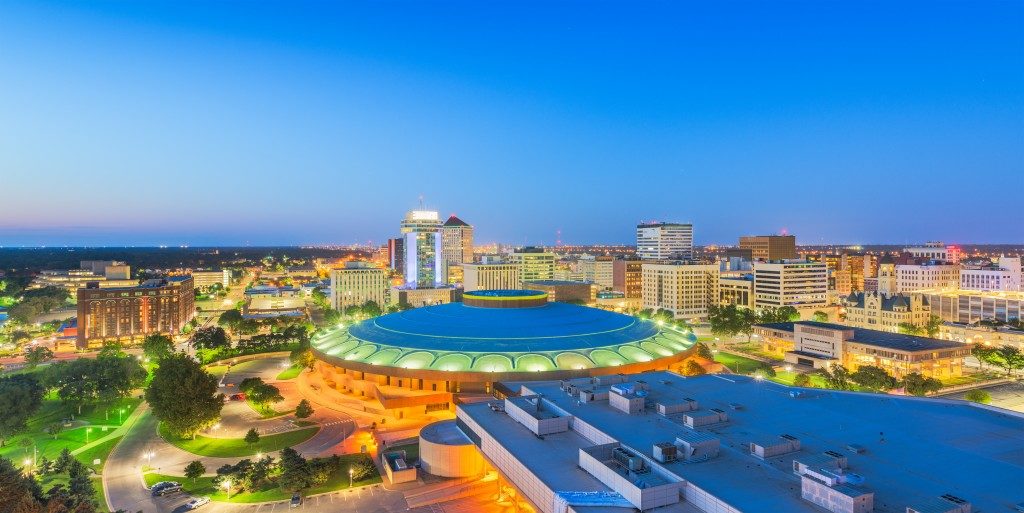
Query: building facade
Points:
[206, 279]
[926, 275]
[686, 289]
[424, 267]
[1004, 274]
[936, 251]
[579, 292]
[877, 311]
[357, 283]
[664, 241]
[969, 306]
[128, 314]
[456, 247]
[769, 247]
[797, 283]
[490, 277]
[534, 263]
[627, 277]
[736, 289]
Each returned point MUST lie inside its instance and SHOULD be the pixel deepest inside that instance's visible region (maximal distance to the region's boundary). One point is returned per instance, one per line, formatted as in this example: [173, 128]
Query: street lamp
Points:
[87, 431]
[350, 474]
[226, 485]
[120, 413]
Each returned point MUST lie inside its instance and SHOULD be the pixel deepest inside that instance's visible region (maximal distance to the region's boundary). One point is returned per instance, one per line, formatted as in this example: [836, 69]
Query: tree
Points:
[932, 325]
[252, 437]
[873, 378]
[55, 429]
[802, 380]
[116, 377]
[837, 377]
[693, 368]
[303, 409]
[704, 351]
[820, 316]
[20, 398]
[363, 469]
[332, 316]
[262, 394]
[919, 385]
[303, 356]
[195, 470]
[295, 472]
[371, 309]
[157, 347]
[1010, 358]
[909, 329]
[979, 396]
[80, 486]
[230, 319]
[74, 382]
[19, 492]
[37, 355]
[765, 370]
[184, 396]
[211, 338]
[984, 354]
[320, 299]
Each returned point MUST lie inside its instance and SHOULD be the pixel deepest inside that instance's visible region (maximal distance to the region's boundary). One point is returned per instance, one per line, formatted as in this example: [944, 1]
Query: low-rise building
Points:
[736, 289]
[580, 292]
[207, 278]
[877, 311]
[490, 276]
[820, 345]
[992, 336]
[1002, 275]
[129, 314]
[971, 306]
[357, 283]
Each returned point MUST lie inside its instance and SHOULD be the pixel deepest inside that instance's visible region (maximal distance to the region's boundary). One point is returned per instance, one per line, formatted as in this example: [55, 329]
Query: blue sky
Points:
[295, 122]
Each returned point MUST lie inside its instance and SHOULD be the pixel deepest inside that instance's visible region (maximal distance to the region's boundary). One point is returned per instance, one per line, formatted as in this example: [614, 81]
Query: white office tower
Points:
[424, 267]
[664, 241]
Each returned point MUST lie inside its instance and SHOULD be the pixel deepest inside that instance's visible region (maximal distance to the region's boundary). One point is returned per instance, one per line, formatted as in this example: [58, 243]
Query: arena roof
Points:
[456, 337]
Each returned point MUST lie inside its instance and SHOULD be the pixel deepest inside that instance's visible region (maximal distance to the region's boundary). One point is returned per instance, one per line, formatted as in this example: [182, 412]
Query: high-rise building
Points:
[664, 241]
[797, 283]
[125, 314]
[490, 277]
[456, 247]
[627, 277]
[686, 289]
[424, 267]
[770, 247]
[396, 254]
[534, 263]
[357, 283]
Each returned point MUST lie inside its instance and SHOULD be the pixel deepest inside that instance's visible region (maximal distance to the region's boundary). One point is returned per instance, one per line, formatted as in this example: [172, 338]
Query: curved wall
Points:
[446, 452]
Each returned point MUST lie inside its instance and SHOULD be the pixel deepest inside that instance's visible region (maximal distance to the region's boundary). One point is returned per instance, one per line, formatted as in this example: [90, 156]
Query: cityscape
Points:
[255, 299]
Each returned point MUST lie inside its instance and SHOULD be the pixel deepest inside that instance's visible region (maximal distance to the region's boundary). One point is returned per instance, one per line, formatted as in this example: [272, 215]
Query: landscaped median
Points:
[290, 373]
[269, 491]
[236, 447]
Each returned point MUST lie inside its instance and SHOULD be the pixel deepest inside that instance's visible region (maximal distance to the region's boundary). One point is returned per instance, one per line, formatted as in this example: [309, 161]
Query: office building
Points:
[579, 292]
[204, 279]
[604, 272]
[736, 289]
[396, 254]
[129, 314]
[421, 231]
[490, 277]
[936, 251]
[627, 277]
[664, 241]
[357, 283]
[926, 274]
[971, 306]
[885, 312]
[820, 345]
[770, 247]
[728, 444]
[1003, 274]
[456, 248]
[988, 336]
[104, 273]
[798, 283]
[686, 289]
[534, 263]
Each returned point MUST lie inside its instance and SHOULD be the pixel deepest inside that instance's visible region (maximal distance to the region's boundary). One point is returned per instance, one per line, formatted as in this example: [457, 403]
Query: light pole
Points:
[120, 412]
[350, 474]
[87, 431]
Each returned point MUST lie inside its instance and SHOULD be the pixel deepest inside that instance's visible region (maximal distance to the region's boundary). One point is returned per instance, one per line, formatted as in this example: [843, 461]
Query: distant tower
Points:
[456, 247]
[421, 231]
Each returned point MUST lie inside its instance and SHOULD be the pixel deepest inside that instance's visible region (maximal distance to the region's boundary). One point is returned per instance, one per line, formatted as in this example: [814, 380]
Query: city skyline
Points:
[201, 124]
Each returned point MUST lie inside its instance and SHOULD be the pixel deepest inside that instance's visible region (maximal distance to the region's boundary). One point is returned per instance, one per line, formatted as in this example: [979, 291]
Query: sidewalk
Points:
[119, 431]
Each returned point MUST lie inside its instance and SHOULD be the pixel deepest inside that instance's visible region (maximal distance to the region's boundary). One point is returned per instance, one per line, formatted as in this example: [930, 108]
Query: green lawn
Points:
[217, 370]
[787, 377]
[236, 447]
[971, 378]
[267, 411]
[737, 364]
[290, 373]
[203, 486]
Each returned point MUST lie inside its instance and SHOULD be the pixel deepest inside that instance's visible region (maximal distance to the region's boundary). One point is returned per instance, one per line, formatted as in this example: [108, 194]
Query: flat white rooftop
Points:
[916, 449]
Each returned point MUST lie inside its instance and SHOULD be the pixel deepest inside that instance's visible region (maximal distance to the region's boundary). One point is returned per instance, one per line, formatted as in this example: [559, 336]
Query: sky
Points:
[267, 123]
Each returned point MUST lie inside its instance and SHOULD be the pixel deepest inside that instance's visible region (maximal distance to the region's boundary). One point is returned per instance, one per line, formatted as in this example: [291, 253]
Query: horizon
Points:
[286, 124]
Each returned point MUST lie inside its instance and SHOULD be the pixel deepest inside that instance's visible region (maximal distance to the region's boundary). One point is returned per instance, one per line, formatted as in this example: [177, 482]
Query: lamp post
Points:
[87, 431]
[120, 413]
[351, 472]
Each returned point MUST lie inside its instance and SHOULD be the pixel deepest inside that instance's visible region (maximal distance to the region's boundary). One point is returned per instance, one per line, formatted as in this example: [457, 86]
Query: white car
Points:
[197, 502]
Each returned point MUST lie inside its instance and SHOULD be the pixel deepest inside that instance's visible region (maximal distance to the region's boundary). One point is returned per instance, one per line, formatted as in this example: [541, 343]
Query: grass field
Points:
[971, 378]
[290, 373]
[268, 411]
[203, 486]
[737, 364]
[236, 447]
[218, 371]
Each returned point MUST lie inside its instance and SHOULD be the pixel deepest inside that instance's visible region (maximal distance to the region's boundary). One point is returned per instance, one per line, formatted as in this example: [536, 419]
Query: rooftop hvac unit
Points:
[627, 459]
[665, 452]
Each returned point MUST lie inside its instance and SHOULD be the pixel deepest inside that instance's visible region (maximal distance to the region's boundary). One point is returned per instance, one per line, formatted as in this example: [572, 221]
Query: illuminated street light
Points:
[350, 474]
[226, 485]
[120, 413]
[87, 431]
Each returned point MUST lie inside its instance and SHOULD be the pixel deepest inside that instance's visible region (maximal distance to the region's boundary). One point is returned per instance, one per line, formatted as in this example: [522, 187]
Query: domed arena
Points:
[424, 355]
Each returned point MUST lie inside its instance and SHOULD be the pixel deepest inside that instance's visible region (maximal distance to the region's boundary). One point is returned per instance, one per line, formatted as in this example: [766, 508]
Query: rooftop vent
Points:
[664, 452]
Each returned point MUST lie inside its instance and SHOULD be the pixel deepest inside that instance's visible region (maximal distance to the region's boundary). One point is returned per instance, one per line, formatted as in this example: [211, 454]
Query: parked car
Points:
[238, 397]
[296, 501]
[164, 488]
[197, 502]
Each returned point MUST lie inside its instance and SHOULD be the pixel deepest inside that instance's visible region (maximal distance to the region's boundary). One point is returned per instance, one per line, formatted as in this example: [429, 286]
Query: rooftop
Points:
[884, 339]
[916, 448]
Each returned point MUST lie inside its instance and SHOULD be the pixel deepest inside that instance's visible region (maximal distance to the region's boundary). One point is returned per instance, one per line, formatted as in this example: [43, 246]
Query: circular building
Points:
[447, 452]
[493, 335]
